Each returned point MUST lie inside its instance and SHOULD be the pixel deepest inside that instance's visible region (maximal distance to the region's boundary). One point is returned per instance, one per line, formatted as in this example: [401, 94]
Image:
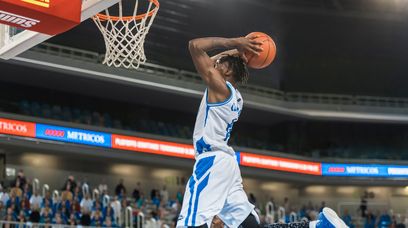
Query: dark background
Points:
[324, 46]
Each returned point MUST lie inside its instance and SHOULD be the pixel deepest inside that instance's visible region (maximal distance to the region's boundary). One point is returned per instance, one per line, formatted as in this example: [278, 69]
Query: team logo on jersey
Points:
[234, 108]
[180, 217]
[42, 3]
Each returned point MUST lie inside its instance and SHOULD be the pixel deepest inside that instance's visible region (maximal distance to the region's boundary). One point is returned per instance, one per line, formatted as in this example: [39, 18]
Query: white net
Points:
[125, 35]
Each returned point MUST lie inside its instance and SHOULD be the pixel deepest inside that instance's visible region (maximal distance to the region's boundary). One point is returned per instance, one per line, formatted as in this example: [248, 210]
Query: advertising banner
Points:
[152, 146]
[14, 127]
[280, 164]
[73, 135]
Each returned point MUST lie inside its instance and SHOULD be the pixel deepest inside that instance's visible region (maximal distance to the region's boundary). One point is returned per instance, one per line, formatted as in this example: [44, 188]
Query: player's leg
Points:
[207, 189]
[237, 208]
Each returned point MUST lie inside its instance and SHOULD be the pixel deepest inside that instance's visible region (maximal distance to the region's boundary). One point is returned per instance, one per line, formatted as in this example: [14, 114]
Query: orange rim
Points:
[104, 17]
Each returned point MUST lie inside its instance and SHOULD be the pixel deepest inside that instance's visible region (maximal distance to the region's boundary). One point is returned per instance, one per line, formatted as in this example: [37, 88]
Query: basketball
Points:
[266, 57]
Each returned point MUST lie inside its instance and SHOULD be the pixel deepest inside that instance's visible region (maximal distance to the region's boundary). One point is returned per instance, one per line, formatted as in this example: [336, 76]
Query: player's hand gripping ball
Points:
[266, 56]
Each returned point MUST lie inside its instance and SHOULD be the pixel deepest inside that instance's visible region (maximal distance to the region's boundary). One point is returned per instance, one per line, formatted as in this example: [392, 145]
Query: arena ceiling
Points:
[324, 46]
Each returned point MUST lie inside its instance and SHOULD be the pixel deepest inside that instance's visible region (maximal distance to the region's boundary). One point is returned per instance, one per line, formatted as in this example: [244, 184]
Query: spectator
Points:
[67, 194]
[103, 188]
[347, 219]
[21, 179]
[370, 220]
[21, 217]
[27, 190]
[116, 206]
[303, 212]
[11, 214]
[120, 189]
[252, 198]
[323, 205]
[108, 212]
[310, 206]
[36, 199]
[363, 204]
[47, 198]
[384, 220]
[286, 205]
[45, 216]
[64, 212]
[164, 195]
[78, 194]
[2, 211]
[35, 215]
[46, 209]
[75, 206]
[108, 222]
[137, 191]
[16, 190]
[85, 218]
[72, 220]
[24, 207]
[87, 203]
[397, 222]
[156, 199]
[152, 193]
[71, 183]
[140, 202]
[4, 196]
[58, 219]
[13, 200]
[179, 196]
[96, 218]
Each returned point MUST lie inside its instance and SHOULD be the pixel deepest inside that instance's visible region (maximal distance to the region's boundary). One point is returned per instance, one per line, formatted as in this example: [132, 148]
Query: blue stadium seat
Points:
[56, 112]
[24, 107]
[35, 109]
[46, 111]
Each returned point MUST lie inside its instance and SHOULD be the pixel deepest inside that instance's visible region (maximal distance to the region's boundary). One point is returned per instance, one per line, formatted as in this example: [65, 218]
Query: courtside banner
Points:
[14, 127]
[280, 164]
[152, 146]
[45, 16]
[73, 135]
[362, 170]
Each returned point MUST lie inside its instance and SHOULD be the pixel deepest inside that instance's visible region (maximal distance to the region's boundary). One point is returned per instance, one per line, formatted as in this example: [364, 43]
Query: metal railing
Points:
[169, 72]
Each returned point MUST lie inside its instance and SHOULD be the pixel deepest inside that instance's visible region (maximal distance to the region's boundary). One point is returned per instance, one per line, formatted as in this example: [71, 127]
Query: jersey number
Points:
[229, 129]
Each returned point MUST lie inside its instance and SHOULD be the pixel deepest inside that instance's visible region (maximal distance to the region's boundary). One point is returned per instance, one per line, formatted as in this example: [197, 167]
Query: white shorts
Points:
[215, 188]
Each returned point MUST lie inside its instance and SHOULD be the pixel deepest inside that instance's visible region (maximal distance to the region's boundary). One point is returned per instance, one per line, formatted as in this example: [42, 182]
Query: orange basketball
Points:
[265, 57]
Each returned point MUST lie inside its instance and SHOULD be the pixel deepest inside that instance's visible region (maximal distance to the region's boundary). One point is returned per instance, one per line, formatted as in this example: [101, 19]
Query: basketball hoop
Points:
[125, 35]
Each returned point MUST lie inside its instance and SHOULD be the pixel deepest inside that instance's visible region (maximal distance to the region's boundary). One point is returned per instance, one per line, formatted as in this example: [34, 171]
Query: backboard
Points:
[15, 41]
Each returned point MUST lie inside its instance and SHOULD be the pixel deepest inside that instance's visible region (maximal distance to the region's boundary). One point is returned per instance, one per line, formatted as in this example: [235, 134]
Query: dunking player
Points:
[215, 187]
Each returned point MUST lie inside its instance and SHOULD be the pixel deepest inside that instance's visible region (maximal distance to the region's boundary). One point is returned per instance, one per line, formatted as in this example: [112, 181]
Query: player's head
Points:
[233, 68]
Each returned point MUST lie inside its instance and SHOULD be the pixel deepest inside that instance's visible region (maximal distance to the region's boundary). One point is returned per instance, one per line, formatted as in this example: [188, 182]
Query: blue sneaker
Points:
[329, 219]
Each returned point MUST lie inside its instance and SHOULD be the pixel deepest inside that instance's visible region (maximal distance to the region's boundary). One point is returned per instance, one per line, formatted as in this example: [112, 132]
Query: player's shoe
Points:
[329, 219]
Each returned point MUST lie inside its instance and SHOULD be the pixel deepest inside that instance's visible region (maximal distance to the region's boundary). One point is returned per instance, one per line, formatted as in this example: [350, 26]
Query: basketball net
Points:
[125, 35]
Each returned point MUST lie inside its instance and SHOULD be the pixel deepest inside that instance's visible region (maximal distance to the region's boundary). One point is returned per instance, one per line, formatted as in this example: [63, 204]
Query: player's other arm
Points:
[217, 89]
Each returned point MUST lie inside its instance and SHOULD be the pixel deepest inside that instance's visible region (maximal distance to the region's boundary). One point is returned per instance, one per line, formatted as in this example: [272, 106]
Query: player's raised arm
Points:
[205, 66]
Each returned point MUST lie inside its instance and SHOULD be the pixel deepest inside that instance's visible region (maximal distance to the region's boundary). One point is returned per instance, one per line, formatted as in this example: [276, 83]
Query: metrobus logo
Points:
[42, 3]
[55, 133]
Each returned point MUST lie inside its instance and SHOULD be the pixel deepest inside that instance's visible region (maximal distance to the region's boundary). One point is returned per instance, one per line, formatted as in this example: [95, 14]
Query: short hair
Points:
[238, 66]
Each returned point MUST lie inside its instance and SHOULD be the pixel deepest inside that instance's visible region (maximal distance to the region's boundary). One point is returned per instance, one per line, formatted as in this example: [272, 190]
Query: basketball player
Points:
[215, 187]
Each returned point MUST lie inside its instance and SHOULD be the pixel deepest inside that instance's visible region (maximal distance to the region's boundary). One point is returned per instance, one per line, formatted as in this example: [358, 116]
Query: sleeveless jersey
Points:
[214, 123]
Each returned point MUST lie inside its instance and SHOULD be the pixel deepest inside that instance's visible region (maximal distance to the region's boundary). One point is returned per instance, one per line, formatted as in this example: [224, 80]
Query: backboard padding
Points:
[14, 43]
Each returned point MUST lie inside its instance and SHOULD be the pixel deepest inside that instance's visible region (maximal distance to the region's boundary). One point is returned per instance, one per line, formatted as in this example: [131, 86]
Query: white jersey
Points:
[214, 123]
